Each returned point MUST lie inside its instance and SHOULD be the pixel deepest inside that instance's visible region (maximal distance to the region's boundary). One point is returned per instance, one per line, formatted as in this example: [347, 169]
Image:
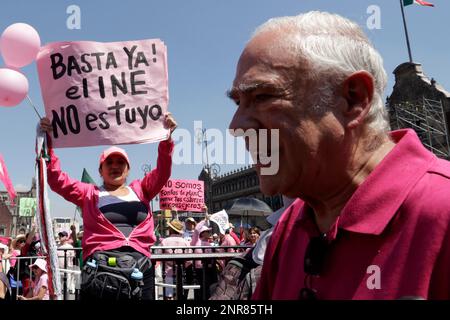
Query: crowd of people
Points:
[16, 269]
[368, 214]
[190, 234]
[30, 280]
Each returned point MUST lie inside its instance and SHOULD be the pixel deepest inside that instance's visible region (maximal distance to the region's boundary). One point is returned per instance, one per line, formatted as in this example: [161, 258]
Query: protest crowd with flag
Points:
[120, 246]
[128, 58]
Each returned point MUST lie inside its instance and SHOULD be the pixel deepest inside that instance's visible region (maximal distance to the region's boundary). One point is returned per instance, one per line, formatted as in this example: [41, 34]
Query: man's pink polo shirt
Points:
[391, 241]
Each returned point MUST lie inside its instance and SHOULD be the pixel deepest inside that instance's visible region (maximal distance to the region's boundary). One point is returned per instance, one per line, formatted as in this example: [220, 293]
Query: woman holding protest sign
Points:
[117, 219]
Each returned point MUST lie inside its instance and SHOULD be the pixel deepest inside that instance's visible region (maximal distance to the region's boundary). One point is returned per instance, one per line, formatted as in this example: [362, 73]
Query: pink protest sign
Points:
[183, 195]
[105, 93]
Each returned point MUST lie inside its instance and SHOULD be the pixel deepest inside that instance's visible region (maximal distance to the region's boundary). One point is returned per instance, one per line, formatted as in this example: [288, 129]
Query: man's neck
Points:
[328, 206]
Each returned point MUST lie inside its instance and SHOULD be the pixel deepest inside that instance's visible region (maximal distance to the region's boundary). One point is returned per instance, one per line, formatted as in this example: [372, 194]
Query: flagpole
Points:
[406, 31]
[75, 214]
[35, 110]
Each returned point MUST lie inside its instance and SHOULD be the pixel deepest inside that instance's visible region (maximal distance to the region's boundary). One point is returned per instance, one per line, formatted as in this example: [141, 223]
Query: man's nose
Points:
[242, 121]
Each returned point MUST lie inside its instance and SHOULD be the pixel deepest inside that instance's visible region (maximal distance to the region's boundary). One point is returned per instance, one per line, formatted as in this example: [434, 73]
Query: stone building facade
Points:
[221, 191]
[11, 223]
[6, 220]
[420, 103]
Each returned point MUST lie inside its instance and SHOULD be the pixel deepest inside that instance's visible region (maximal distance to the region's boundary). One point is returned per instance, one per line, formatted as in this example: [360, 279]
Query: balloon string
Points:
[31, 102]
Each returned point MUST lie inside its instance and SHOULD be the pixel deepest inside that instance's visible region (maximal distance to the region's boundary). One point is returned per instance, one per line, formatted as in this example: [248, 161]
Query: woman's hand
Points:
[21, 297]
[46, 125]
[169, 122]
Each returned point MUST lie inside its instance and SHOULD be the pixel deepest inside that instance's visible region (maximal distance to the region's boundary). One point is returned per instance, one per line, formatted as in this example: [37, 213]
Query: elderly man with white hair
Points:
[375, 219]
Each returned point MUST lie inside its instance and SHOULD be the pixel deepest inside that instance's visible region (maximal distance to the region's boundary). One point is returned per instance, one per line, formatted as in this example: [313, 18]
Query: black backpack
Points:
[114, 281]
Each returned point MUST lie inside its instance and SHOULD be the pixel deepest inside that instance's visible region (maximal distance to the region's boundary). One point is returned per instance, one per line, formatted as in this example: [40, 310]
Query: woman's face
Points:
[37, 271]
[114, 170]
[190, 225]
[20, 244]
[253, 236]
[206, 236]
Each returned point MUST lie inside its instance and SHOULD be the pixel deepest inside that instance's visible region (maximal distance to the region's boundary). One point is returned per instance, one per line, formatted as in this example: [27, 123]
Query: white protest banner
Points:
[182, 195]
[105, 93]
[221, 218]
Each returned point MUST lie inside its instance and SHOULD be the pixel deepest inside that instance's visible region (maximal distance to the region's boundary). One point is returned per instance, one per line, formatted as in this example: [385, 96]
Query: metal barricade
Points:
[183, 283]
[200, 282]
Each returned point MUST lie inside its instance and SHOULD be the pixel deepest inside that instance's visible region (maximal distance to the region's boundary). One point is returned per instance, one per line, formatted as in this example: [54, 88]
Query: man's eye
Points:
[237, 102]
[263, 97]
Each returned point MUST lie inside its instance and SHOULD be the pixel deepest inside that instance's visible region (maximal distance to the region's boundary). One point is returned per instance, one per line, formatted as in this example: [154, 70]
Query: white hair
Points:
[335, 47]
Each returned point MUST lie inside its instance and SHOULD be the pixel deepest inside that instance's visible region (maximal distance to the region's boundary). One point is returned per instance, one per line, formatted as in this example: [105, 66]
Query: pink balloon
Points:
[19, 45]
[13, 87]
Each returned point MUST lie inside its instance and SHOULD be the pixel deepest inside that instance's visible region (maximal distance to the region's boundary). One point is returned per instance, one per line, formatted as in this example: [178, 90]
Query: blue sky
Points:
[204, 40]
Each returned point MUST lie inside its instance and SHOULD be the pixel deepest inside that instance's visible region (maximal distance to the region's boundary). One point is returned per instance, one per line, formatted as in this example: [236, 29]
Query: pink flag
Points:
[5, 179]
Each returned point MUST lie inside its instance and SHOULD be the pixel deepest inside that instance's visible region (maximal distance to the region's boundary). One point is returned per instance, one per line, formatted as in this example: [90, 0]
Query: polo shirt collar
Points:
[378, 198]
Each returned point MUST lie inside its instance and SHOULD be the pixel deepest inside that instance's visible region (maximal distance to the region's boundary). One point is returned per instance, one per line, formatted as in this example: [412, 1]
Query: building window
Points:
[2, 230]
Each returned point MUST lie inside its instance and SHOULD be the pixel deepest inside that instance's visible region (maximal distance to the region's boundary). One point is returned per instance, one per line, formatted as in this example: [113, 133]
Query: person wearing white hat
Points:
[189, 227]
[208, 268]
[175, 239]
[40, 283]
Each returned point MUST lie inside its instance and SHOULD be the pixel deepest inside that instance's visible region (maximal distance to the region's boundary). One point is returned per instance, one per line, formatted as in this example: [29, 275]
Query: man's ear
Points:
[358, 92]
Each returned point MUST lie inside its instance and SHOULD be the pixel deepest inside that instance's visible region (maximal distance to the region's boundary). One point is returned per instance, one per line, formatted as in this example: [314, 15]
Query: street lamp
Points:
[212, 170]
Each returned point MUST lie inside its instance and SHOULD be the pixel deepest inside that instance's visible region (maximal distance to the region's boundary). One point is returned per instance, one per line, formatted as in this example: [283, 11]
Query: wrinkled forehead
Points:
[264, 59]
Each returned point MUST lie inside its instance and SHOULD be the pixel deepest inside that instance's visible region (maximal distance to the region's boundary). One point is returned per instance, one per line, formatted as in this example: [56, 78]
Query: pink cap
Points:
[203, 228]
[113, 150]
